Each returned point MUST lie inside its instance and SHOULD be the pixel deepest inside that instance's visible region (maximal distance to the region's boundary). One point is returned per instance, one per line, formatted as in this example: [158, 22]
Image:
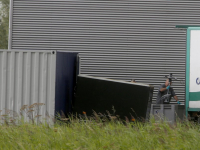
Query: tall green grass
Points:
[92, 135]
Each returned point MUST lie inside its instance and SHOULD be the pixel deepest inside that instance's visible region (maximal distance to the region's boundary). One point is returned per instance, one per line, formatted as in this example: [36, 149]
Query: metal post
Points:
[10, 25]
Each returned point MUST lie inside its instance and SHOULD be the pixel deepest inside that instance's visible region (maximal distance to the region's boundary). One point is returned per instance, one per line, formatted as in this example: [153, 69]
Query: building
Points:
[116, 39]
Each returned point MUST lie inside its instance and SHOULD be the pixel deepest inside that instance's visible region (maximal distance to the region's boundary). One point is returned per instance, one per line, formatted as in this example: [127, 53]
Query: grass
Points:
[93, 135]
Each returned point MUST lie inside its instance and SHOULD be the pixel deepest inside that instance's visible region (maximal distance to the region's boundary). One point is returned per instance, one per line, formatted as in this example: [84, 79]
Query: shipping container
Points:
[32, 77]
[120, 98]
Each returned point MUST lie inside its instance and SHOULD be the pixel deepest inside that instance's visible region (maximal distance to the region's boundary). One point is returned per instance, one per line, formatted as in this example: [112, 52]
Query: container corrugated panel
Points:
[27, 77]
[116, 39]
[37, 77]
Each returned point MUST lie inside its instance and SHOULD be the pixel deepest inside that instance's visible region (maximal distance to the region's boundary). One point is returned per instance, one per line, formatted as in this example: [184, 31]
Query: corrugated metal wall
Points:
[115, 39]
[26, 78]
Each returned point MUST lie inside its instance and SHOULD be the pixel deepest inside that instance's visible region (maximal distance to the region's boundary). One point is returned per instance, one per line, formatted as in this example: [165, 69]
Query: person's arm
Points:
[176, 98]
[163, 89]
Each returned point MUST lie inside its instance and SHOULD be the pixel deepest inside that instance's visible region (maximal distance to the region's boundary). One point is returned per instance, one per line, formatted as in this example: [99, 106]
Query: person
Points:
[133, 81]
[163, 90]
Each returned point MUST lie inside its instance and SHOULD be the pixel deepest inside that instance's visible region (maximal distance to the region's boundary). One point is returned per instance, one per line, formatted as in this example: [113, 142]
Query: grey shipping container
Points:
[28, 77]
[122, 39]
[168, 112]
[121, 98]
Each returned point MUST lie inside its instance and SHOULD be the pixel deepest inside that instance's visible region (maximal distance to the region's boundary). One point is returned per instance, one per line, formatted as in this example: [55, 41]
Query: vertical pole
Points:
[10, 25]
[187, 73]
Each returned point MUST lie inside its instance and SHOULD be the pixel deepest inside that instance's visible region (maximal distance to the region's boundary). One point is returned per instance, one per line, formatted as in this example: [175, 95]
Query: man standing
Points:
[133, 81]
[165, 93]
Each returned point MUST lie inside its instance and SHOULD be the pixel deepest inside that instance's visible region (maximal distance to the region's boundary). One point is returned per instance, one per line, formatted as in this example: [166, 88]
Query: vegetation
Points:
[98, 133]
[86, 133]
[4, 24]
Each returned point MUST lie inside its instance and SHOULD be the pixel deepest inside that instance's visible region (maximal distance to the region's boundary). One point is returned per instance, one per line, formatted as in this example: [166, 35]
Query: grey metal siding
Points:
[27, 77]
[116, 39]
